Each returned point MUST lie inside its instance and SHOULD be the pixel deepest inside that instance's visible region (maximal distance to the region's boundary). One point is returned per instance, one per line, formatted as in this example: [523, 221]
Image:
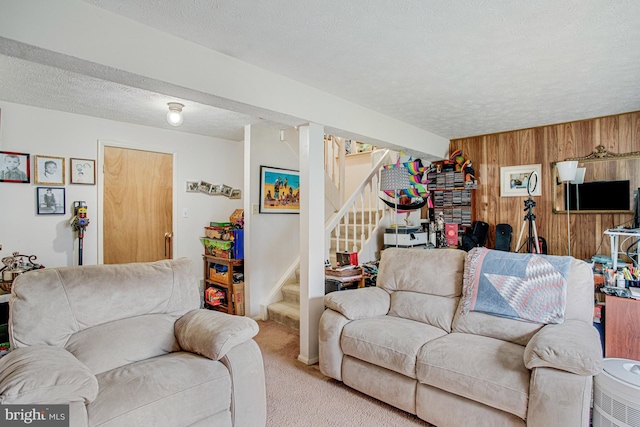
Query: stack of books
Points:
[336, 279]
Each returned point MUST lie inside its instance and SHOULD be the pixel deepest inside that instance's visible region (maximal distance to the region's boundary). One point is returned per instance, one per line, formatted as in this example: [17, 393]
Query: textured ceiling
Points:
[455, 68]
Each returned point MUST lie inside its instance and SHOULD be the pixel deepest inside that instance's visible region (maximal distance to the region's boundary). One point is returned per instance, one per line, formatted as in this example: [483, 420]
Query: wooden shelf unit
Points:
[234, 301]
[451, 198]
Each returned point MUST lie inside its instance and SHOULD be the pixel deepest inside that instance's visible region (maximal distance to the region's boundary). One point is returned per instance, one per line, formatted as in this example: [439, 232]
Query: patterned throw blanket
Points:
[527, 287]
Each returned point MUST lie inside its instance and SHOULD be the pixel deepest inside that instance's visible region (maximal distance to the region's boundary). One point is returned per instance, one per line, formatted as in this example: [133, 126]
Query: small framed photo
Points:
[193, 186]
[216, 190]
[204, 187]
[49, 170]
[82, 171]
[50, 201]
[514, 181]
[226, 190]
[235, 193]
[14, 167]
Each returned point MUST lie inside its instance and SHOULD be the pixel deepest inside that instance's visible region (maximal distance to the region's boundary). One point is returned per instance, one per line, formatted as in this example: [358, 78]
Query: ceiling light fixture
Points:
[174, 116]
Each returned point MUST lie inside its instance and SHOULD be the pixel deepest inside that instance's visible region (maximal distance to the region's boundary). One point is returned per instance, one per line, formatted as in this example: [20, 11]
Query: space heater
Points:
[616, 398]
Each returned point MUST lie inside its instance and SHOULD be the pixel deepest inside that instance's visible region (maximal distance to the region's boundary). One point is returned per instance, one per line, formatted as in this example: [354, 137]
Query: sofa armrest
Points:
[212, 334]
[42, 374]
[359, 303]
[573, 346]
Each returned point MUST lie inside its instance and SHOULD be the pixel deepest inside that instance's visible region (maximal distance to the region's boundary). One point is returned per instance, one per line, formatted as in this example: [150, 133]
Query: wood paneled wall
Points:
[545, 145]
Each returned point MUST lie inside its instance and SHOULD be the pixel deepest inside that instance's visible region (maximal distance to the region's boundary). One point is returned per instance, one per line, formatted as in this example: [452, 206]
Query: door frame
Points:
[102, 143]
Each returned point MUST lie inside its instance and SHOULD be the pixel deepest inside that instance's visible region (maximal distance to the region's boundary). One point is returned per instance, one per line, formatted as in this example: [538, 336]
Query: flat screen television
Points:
[600, 196]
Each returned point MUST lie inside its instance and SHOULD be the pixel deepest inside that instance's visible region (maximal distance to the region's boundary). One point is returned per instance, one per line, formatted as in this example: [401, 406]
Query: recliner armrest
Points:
[45, 375]
[573, 346]
[212, 334]
[359, 303]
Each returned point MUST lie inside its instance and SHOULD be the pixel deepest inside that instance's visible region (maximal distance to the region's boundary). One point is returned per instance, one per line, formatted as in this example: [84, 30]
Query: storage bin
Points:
[219, 273]
[214, 246]
[238, 244]
[220, 233]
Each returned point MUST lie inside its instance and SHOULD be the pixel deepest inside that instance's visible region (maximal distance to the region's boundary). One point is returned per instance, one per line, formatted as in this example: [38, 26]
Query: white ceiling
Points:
[454, 68]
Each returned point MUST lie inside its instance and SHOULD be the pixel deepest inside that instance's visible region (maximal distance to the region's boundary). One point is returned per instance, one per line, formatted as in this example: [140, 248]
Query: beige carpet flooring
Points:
[299, 395]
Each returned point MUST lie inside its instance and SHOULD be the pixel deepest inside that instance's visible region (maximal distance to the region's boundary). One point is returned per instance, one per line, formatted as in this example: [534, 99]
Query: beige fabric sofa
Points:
[405, 342]
[127, 345]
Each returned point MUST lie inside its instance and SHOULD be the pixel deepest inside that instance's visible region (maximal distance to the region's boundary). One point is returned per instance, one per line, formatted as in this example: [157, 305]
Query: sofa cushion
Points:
[70, 299]
[434, 272]
[212, 334]
[476, 323]
[482, 369]
[41, 374]
[430, 309]
[387, 341]
[175, 389]
[108, 346]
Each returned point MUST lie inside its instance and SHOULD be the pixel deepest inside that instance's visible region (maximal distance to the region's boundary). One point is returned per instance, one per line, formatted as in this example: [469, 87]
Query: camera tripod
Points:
[533, 232]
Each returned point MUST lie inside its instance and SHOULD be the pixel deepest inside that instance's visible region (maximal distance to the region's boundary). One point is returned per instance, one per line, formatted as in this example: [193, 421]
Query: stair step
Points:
[291, 293]
[285, 313]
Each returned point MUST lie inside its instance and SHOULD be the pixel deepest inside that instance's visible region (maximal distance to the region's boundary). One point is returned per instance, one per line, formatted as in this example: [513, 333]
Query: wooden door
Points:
[138, 205]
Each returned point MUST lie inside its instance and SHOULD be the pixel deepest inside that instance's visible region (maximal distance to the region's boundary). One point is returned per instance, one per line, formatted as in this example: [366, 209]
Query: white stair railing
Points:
[361, 213]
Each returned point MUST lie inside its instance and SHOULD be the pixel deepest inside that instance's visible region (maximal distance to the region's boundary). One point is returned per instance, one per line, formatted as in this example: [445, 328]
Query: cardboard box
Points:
[238, 298]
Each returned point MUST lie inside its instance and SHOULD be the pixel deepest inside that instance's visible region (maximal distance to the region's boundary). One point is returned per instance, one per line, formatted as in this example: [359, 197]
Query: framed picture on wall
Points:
[279, 190]
[14, 167]
[49, 170]
[226, 190]
[82, 171]
[204, 186]
[50, 201]
[193, 186]
[514, 180]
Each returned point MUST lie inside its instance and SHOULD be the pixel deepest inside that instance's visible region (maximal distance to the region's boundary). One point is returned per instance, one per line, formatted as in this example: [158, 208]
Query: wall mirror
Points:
[607, 188]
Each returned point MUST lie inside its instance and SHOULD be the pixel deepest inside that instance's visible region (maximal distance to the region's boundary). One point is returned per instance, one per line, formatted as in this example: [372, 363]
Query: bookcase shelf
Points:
[233, 302]
[451, 198]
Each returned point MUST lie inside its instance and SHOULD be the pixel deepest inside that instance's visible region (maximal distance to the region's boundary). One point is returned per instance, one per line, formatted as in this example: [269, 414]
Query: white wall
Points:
[272, 241]
[46, 132]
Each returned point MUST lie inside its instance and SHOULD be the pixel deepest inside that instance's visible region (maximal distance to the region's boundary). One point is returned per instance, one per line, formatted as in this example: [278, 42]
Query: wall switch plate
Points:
[185, 213]
[254, 208]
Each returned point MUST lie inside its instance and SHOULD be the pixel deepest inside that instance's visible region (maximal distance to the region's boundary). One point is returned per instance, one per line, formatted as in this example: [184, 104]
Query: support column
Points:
[311, 239]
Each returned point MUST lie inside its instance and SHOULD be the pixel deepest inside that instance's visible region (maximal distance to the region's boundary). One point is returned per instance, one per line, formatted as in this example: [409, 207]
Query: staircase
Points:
[356, 227]
[287, 311]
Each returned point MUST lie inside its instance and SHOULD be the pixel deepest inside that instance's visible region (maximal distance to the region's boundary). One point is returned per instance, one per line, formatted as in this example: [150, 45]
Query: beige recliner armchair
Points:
[127, 345]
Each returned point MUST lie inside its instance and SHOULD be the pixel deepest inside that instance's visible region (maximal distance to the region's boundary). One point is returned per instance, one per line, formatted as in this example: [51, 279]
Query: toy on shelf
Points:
[465, 165]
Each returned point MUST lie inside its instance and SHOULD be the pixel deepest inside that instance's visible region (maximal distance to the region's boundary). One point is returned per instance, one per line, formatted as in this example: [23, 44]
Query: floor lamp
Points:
[395, 179]
[567, 172]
